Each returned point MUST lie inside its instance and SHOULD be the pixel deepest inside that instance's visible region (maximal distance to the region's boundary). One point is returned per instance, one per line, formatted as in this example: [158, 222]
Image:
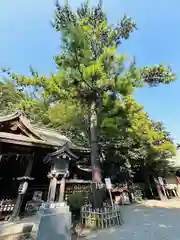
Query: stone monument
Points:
[55, 222]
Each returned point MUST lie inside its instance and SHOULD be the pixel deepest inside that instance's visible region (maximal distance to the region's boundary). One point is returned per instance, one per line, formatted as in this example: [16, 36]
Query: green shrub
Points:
[76, 201]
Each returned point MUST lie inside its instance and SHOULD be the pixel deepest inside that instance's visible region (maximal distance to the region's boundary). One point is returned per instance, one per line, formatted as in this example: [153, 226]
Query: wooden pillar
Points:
[20, 197]
[52, 186]
[62, 189]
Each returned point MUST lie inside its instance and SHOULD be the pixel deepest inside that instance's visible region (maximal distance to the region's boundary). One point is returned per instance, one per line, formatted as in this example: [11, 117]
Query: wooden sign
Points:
[109, 187]
[108, 183]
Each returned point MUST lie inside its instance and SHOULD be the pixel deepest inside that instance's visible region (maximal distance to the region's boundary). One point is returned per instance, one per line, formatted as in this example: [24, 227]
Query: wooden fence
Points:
[106, 217]
[6, 208]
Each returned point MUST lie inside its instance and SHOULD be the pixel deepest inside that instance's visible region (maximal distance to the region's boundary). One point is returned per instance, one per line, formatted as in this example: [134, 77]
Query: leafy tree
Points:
[10, 97]
[136, 144]
[134, 137]
[93, 71]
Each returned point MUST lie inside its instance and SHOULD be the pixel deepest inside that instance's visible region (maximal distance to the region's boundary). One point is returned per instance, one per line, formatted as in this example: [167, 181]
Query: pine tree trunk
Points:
[96, 173]
[97, 199]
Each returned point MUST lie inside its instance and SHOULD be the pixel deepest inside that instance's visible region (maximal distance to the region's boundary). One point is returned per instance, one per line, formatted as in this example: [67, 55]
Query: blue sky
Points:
[28, 39]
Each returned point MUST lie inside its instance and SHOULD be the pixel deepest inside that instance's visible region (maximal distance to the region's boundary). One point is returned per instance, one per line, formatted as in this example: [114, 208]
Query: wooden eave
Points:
[19, 120]
[58, 153]
[16, 129]
[23, 140]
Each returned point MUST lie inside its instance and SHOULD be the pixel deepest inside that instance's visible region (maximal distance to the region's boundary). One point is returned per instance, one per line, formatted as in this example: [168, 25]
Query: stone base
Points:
[55, 222]
[19, 229]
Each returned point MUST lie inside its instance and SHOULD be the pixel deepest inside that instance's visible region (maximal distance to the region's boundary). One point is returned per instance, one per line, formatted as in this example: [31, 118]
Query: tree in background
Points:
[135, 142]
[9, 97]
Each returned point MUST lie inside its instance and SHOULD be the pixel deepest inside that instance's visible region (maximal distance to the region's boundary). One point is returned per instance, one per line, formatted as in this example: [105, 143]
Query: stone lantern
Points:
[55, 222]
[60, 164]
[59, 169]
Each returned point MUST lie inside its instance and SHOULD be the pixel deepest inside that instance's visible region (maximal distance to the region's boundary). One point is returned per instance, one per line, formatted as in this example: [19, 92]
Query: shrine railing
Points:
[106, 217]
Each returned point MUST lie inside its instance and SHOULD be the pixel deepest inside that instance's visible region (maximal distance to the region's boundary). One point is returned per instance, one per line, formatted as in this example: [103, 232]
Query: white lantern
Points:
[23, 187]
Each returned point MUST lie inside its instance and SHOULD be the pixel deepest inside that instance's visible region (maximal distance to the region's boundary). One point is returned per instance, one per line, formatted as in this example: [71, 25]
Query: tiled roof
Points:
[37, 136]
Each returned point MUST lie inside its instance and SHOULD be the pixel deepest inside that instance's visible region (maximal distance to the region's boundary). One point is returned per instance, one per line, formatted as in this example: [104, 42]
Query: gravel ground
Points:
[157, 220]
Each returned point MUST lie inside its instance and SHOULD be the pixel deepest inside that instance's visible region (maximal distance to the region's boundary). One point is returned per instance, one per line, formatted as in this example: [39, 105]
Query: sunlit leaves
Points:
[157, 74]
[10, 97]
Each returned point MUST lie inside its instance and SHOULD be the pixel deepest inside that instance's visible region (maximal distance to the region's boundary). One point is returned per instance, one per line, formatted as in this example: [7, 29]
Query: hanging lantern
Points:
[23, 188]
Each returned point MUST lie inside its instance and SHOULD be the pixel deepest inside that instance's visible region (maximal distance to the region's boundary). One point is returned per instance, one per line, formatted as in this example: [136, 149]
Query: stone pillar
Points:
[62, 189]
[52, 186]
[55, 218]
[55, 223]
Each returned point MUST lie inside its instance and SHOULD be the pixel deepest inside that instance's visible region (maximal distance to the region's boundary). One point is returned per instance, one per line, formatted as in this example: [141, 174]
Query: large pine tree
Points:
[93, 72]
[96, 84]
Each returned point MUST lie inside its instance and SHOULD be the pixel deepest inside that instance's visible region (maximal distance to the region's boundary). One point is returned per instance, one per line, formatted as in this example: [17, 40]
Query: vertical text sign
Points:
[108, 183]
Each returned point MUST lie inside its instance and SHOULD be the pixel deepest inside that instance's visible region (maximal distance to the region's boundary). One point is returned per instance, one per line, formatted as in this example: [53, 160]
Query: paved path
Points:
[151, 221]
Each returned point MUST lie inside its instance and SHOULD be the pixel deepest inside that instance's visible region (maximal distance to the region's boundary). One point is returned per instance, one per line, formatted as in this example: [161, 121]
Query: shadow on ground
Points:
[143, 222]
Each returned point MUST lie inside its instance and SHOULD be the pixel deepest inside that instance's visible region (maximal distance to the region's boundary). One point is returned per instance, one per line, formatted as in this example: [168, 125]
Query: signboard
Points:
[108, 183]
[109, 187]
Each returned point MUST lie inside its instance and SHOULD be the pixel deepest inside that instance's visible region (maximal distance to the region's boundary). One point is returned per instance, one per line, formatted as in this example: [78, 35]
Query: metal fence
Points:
[106, 217]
